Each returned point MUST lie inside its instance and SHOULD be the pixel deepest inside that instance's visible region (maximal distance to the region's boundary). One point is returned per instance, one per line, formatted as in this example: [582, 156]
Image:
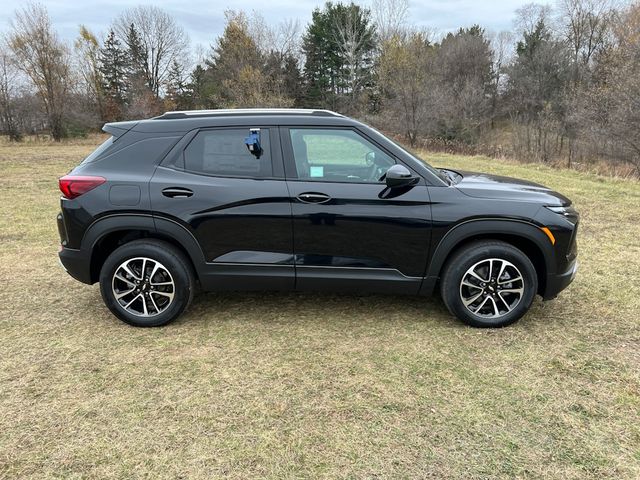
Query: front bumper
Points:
[76, 263]
[559, 281]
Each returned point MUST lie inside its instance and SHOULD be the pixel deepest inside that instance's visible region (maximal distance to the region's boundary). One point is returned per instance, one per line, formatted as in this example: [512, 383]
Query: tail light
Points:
[73, 186]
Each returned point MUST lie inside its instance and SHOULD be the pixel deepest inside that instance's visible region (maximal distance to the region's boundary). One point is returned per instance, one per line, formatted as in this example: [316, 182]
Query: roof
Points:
[183, 121]
[246, 112]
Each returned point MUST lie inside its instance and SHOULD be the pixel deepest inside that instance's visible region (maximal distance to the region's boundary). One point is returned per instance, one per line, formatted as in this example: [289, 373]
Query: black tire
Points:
[175, 268]
[479, 254]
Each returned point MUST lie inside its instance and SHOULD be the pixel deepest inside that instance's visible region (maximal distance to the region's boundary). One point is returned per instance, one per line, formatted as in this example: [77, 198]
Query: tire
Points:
[154, 299]
[506, 298]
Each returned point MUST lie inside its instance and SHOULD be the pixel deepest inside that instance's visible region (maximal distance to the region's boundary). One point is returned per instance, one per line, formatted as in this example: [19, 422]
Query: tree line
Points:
[562, 85]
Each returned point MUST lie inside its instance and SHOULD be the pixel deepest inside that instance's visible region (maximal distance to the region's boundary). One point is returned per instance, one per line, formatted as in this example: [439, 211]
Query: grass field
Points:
[317, 386]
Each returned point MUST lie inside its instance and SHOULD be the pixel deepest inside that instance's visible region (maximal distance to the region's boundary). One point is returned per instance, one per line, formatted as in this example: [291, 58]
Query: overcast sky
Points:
[204, 20]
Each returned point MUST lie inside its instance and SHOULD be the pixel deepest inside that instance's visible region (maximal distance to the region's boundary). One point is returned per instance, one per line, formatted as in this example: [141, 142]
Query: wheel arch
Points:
[525, 236]
[110, 232]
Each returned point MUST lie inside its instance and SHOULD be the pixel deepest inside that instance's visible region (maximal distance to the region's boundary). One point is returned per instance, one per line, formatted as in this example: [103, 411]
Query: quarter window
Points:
[224, 153]
[333, 155]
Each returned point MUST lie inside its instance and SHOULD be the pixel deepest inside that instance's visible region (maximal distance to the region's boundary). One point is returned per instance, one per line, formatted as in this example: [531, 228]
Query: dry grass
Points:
[292, 385]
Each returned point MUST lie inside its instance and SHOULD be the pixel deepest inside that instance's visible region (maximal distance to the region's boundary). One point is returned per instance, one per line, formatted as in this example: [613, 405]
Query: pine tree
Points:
[200, 89]
[138, 58]
[339, 48]
[177, 96]
[113, 65]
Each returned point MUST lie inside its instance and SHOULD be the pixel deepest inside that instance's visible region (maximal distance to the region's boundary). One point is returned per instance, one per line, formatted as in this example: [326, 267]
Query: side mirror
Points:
[399, 176]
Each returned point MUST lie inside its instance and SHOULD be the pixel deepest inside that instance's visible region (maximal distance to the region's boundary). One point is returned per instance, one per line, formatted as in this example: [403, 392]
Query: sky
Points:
[204, 20]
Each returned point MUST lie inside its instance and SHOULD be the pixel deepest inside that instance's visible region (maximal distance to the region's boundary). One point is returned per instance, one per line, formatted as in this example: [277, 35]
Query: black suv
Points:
[302, 200]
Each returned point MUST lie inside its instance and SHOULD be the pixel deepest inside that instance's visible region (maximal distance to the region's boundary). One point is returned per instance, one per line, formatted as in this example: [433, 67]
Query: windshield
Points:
[441, 175]
[96, 153]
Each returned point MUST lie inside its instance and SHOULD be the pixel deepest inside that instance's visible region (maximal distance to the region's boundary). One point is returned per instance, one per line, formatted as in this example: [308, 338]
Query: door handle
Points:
[177, 192]
[313, 197]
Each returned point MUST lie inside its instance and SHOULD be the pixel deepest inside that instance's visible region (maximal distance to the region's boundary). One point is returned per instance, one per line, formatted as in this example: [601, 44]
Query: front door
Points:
[350, 231]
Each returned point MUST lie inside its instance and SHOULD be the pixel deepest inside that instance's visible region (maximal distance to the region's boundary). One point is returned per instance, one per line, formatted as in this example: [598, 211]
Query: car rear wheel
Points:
[489, 284]
[147, 283]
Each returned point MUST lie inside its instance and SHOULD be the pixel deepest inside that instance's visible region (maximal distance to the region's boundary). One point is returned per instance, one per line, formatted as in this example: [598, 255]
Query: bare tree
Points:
[8, 94]
[502, 52]
[613, 120]
[584, 24]
[405, 72]
[282, 39]
[464, 69]
[163, 42]
[390, 17]
[354, 38]
[44, 59]
[87, 49]
[530, 15]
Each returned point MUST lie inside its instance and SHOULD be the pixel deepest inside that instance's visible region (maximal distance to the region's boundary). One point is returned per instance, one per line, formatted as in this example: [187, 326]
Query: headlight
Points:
[568, 212]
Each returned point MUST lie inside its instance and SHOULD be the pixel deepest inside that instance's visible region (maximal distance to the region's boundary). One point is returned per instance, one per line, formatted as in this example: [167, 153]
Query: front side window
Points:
[332, 155]
[224, 153]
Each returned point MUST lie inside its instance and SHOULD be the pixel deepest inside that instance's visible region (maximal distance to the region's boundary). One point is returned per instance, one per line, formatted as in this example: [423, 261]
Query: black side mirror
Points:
[399, 176]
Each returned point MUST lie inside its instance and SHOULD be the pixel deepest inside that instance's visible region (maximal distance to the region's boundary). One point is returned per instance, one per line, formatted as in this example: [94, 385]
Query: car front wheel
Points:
[489, 284]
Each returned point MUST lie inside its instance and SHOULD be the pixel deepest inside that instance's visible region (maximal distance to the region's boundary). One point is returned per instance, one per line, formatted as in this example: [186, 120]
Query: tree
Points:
[199, 89]
[501, 54]
[281, 40]
[138, 66]
[585, 25]
[390, 18]
[239, 73]
[464, 68]
[613, 104]
[279, 46]
[538, 81]
[235, 60]
[113, 67]
[88, 52]
[45, 60]
[339, 48]
[177, 96]
[161, 41]
[405, 72]
[8, 81]
[355, 41]
[529, 16]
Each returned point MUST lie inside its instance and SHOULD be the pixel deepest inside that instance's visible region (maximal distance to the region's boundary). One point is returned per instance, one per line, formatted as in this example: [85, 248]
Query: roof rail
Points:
[245, 111]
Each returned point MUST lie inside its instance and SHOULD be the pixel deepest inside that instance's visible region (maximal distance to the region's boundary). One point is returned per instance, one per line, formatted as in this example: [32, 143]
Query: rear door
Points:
[350, 231]
[235, 205]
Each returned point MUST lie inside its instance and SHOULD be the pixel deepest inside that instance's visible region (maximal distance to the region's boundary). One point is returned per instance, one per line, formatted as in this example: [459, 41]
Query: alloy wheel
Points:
[492, 288]
[143, 287]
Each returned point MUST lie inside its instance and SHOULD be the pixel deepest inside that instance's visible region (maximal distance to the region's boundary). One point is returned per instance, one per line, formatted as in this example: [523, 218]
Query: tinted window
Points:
[337, 155]
[223, 152]
[98, 151]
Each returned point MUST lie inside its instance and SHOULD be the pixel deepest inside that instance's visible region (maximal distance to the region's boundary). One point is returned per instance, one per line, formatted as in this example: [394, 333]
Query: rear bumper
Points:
[559, 281]
[76, 263]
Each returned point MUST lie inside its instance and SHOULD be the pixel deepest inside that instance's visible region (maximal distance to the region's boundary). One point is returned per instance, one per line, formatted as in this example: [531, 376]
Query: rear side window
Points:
[98, 151]
[224, 153]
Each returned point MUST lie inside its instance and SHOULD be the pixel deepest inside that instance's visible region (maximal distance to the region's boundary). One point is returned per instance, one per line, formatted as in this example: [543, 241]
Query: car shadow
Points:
[293, 306]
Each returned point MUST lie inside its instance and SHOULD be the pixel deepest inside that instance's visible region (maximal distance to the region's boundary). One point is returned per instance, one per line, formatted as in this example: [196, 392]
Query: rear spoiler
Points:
[117, 129]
